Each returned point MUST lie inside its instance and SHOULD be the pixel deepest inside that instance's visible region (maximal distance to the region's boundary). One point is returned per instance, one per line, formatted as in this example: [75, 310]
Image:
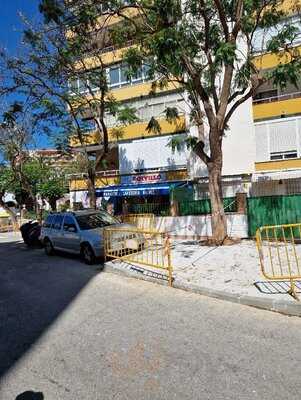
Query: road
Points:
[73, 332]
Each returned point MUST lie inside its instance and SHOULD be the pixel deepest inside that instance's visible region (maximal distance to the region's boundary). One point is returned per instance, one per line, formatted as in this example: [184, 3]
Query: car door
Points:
[71, 234]
[56, 232]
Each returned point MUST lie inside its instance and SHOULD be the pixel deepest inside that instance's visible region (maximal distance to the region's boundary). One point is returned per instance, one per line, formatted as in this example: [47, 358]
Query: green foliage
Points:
[153, 126]
[51, 9]
[195, 43]
[171, 114]
[127, 115]
[52, 189]
[7, 181]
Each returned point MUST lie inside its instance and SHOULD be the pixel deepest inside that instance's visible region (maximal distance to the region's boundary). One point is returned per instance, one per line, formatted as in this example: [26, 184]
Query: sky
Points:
[11, 26]
[11, 31]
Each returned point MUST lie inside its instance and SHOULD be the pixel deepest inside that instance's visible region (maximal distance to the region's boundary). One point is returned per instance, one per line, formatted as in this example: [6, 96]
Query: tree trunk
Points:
[218, 217]
[91, 189]
[52, 201]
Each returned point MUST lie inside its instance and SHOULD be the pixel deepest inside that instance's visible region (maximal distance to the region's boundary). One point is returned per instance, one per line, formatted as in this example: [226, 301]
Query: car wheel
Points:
[88, 254]
[49, 250]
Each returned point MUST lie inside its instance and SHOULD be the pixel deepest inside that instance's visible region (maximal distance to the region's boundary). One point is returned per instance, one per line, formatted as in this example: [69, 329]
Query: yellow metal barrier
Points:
[279, 250]
[142, 221]
[9, 228]
[141, 247]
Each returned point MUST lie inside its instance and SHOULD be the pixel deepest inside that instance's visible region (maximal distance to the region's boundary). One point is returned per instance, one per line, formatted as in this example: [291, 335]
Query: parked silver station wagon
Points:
[79, 232]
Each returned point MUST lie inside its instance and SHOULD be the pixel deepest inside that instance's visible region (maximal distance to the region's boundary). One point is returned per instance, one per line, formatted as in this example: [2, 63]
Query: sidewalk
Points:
[229, 273]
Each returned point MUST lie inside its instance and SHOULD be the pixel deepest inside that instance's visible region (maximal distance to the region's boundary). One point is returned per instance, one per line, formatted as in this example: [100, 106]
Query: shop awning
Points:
[137, 190]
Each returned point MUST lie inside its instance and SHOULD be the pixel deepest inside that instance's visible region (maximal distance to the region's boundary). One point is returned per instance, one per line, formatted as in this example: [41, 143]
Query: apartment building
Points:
[277, 121]
[142, 167]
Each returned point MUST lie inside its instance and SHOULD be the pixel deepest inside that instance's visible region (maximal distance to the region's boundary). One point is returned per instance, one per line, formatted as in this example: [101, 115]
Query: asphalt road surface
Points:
[72, 332]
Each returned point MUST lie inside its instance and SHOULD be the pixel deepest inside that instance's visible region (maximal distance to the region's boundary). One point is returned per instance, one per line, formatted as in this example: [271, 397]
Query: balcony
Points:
[277, 106]
[114, 177]
[133, 131]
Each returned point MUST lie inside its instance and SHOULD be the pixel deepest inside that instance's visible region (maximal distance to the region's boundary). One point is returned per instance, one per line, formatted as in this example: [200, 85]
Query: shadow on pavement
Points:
[34, 291]
[276, 287]
[29, 395]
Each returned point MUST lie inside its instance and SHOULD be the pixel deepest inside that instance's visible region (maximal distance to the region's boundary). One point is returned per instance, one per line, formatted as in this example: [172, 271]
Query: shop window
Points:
[285, 155]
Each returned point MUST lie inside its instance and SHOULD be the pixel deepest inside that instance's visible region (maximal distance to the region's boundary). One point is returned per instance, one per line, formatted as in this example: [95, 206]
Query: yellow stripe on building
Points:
[133, 131]
[177, 175]
[139, 90]
[81, 184]
[277, 165]
[107, 58]
[275, 109]
[269, 60]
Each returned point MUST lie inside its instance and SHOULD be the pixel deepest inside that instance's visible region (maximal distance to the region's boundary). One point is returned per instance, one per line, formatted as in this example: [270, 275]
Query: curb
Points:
[282, 307]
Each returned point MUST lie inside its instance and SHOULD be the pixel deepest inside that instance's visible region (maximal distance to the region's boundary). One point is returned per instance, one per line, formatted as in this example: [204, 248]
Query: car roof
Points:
[87, 211]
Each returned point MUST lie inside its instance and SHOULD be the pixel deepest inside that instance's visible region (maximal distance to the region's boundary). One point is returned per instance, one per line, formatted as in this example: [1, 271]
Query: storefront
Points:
[152, 197]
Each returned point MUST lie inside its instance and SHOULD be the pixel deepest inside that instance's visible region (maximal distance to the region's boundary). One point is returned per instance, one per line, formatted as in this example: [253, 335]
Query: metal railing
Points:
[160, 209]
[142, 221]
[117, 172]
[279, 249]
[280, 97]
[140, 248]
[11, 227]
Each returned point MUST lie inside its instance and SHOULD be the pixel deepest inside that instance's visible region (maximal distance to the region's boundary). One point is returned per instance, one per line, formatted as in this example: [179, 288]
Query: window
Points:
[118, 75]
[73, 85]
[49, 221]
[284, 155]
[114, 76]
[57, 222]
[104, 7]
[263, 36]
[95, 220]
[145, 71]
[87, 125]
[93, 82]
[266, 94]
[82, 85]
[69, 223]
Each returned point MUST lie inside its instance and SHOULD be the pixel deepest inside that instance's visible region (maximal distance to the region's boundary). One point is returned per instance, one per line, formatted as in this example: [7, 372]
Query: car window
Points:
[49, 221]
[68, 222]
[95, 220]
[57, 222]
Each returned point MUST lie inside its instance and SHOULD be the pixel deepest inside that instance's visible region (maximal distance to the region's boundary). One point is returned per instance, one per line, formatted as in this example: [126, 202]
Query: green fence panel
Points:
[181, 194]
[273, 210]
[203, 207]
[160, 209]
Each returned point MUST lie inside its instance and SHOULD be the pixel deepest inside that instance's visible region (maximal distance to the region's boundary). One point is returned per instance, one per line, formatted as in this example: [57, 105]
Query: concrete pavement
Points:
[73, 332]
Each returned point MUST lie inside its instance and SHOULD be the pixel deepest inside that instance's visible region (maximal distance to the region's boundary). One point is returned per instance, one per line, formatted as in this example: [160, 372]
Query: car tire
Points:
[88, 254]
[49, 250]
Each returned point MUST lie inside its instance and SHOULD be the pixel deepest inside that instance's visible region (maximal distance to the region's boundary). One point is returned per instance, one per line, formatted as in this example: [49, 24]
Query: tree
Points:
[7, 181]
[16, 133]
[61, 74]
[207, 46]
[46, 181]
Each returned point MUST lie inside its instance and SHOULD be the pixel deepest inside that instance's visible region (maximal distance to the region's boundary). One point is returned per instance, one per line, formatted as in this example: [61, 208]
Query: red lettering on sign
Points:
[147, 178]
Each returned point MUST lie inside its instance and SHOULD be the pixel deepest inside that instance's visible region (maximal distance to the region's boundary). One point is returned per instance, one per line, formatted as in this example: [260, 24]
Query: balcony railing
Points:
[116, 172]
[281, 97]
[109, 49]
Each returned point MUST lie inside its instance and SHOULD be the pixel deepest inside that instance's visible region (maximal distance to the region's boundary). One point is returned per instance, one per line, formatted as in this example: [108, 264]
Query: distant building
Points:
[53, 157]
